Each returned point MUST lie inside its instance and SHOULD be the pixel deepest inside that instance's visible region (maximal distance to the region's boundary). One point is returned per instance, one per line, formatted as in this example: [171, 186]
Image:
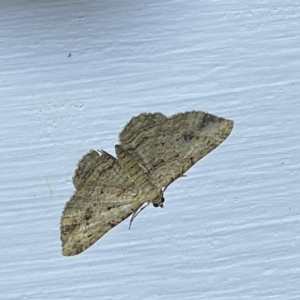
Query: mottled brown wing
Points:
[168, 147]
[105, 196]
[139, 137]
[91, 212]
[99, 168]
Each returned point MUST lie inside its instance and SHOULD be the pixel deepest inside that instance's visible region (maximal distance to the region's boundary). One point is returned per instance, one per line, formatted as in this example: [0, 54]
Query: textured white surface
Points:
[230, 230]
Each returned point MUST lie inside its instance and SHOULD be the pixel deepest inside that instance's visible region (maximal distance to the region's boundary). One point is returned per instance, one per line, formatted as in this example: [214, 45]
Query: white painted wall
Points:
[230, 230]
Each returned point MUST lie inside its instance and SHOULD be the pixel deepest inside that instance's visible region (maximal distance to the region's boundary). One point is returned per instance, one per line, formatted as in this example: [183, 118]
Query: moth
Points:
[153, 151]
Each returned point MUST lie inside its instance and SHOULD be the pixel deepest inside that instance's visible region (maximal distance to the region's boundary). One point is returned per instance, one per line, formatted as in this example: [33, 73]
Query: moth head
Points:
[160, 203]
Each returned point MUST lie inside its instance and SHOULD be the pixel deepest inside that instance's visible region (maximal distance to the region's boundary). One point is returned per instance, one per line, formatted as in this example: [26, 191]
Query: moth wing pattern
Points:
[139, 136]
[168, 147]
[90, 213]
[105, 196]
[99, 168]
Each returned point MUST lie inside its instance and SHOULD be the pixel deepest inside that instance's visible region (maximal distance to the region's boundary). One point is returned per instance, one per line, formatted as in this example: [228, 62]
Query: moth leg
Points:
[136, 212]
